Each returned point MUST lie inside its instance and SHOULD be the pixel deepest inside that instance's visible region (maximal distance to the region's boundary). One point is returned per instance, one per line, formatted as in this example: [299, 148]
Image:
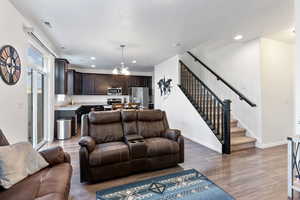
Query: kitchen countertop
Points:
[76, 106]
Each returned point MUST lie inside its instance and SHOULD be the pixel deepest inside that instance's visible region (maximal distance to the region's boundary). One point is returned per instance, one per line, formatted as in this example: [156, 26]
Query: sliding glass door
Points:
[40, 108]
[36, 97]
[30, 104]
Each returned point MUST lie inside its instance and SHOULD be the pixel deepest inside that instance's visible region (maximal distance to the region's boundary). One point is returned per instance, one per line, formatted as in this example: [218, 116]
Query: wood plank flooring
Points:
[252, 174]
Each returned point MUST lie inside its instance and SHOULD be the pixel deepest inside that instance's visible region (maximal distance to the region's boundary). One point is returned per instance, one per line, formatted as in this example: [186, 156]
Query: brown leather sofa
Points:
[51, 183]
[118, 143]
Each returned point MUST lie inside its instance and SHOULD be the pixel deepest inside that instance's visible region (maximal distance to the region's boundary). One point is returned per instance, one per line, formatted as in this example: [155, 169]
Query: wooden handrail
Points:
[219, 78]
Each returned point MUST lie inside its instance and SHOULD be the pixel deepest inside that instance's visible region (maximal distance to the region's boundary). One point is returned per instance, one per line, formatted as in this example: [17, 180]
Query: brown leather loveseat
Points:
[118, 143]
[51, 183]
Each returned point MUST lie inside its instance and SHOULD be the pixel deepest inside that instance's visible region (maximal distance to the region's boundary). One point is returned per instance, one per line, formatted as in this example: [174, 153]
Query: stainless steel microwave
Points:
[114, 91]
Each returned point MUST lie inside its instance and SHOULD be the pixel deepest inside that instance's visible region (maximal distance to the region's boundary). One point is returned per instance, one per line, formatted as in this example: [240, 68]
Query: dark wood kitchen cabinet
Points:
[74, 83]
[97, 84]
[61, 76]
[77, 83]
[88, 84]
[71, 83]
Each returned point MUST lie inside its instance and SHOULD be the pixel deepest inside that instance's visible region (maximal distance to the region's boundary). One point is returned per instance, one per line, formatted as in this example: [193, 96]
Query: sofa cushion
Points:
[150, 129]
[104, 117]
[161, 146]
[129, 115]
[49, 182]
[150, 123]
[129, 118]
[150, 115]
[106, 126]
[109, 153]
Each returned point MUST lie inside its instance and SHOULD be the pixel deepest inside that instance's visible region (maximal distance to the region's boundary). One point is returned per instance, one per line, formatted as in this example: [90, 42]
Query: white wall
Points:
[13, 99]
[180, 112]
[238, 64]
[297, 70]
[277, 69]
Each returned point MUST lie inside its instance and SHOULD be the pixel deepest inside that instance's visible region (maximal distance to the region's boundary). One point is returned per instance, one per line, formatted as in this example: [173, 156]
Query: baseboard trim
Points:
[271, 144]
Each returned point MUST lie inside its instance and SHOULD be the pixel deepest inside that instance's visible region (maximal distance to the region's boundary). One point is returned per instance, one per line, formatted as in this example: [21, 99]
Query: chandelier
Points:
[122, 69]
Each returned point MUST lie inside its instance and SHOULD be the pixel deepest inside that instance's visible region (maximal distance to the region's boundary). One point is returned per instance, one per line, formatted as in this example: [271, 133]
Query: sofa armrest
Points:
[180, 141]
[55, 155]
[84, 164]
[172, 134]
[87, 142]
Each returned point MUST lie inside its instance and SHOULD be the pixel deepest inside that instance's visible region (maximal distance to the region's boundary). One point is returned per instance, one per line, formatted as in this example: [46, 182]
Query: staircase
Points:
[215, 112]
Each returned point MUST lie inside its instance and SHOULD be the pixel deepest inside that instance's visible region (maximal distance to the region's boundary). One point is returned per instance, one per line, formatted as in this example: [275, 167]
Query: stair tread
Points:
[242, 140]
[237, 129]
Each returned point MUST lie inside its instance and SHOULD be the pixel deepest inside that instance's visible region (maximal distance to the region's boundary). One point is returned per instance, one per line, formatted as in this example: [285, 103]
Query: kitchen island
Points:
[74, 113]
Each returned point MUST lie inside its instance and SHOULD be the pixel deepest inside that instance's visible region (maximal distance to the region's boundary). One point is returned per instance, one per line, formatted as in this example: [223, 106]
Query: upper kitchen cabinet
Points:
[61, 76]
[74, 83]
[77, 83]
[88, 84]
[97, 84]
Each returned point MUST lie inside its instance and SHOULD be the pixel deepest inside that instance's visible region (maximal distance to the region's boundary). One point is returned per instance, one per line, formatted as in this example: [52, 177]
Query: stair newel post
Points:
[226, 121]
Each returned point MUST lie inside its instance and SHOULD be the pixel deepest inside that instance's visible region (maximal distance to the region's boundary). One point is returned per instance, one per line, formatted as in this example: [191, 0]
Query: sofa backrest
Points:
[151, 123]
[3, 140]
[105, 126]
[129, 118]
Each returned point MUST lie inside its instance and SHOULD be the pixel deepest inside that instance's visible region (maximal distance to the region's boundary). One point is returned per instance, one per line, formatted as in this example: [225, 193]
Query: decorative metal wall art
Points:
[164, 86]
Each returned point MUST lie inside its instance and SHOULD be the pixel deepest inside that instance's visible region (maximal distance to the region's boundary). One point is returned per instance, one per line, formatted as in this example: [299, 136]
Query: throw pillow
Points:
[18, 161]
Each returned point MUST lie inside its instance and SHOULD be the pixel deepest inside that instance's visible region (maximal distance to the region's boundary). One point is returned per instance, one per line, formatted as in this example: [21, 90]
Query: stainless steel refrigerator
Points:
[140, 95]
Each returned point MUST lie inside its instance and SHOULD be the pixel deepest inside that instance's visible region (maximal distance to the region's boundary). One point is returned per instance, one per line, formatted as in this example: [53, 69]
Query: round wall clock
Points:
[10, 65]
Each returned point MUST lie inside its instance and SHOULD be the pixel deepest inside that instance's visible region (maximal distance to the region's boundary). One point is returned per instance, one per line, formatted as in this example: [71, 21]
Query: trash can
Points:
[64, 129]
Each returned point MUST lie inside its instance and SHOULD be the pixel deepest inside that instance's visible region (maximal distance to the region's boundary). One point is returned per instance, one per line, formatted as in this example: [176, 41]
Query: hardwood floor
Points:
[250, 174]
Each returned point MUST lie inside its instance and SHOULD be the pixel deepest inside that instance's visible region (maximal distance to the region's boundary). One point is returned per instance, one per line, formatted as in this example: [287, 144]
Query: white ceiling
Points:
[150, 28]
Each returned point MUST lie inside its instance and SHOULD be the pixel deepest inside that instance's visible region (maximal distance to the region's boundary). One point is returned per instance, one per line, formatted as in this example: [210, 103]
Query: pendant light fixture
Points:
[122, 69]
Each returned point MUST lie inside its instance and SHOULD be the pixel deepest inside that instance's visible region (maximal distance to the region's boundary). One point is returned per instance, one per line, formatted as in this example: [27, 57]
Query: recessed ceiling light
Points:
[238, 37]
[177, 44]
[134, 61]
[93, 58]
[93, 66]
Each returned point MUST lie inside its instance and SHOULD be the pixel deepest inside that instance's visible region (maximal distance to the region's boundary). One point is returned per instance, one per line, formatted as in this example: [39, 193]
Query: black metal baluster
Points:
[206, 104]
[198, 95]
[185, 79]
[201, 99]
[218, 119]
[210, 105]
[189, 92]
[188, 82]
[214, 116]
[193, 87]
[182, 75]
[215, 112]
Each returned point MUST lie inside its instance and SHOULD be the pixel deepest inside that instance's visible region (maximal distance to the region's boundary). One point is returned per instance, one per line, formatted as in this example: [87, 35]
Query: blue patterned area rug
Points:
[185, 185]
